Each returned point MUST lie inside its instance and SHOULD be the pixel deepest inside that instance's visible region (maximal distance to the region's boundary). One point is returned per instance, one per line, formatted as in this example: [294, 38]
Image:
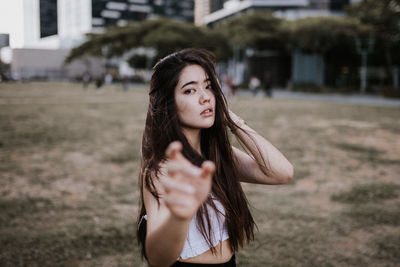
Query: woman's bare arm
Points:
[266, 165]
[183, 187]
[166, 233]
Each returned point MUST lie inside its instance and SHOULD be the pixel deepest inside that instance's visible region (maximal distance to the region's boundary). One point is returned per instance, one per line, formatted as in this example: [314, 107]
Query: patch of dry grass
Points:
[364, 193]
[69, 162]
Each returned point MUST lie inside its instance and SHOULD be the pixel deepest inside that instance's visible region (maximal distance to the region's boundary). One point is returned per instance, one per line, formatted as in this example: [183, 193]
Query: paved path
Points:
[369, 100]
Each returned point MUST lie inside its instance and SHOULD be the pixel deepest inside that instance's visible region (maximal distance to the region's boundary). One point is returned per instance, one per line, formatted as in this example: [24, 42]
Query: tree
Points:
[331, 38]
[163, 35]
[113, 42]
[384, 17]
[320, 34]
[257, 30]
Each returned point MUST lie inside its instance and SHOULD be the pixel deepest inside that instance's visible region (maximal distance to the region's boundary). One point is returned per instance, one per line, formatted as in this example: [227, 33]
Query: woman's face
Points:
[195, 98]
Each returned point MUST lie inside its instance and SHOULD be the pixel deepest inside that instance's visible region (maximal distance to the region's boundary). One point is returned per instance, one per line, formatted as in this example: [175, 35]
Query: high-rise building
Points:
[338, 5]
[216, 5]
[201, 9]
[52, 24]
[226, 9]
[333, 5]
[119, 12]
[264, 62]
[219, 10]
[48, 29]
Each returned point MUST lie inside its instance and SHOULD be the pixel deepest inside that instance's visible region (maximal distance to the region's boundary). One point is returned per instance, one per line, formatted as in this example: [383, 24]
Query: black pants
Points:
[230, 263]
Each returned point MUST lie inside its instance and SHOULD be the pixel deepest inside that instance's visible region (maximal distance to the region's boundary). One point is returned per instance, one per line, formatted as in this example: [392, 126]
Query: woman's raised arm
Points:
[266, 165]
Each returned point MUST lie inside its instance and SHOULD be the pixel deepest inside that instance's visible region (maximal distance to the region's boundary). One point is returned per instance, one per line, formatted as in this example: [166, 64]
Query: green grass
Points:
[359, 148]
[371, 215]
[128, 154]
[69, 164]
[360, 194]
[49, 249]
[12, 209]
[388, 247]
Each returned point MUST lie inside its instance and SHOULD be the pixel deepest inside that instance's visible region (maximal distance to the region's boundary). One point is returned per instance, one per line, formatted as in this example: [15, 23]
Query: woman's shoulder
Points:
[162, 169]
[151, 178]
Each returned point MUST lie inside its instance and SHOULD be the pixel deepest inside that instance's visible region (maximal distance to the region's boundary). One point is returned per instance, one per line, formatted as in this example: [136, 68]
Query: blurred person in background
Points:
[267, 84]
[125, 83]
[108, 79]
[86, 78]
[100, 82]
[254, 85]
[226, 86]
[193, 208]
[231, 85]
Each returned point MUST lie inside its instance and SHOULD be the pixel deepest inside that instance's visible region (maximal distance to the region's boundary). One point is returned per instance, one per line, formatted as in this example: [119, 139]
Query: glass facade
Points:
[48, 18]
[338, 5]
[118, 12]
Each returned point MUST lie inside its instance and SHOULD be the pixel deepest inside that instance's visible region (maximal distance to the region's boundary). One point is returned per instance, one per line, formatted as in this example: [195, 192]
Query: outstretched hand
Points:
[186, 186]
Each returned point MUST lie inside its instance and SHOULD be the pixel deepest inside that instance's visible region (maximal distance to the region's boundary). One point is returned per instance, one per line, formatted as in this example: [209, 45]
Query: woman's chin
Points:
[208, 125]
[203, 125]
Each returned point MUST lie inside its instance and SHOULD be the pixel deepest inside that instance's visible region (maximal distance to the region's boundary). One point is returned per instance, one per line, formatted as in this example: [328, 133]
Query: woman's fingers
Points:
[179, 202]
[171, 184]
[173, 149]
[207, 169]
[186, 185]
[187, 168]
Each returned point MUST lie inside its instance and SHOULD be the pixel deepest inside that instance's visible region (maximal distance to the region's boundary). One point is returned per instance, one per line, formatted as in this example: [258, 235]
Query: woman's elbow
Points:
[286, 175]
[290, 173]
[282, 176]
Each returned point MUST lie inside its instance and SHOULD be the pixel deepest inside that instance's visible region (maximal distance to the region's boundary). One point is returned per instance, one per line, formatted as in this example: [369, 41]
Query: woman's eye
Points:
[188, 91]
[209, 86]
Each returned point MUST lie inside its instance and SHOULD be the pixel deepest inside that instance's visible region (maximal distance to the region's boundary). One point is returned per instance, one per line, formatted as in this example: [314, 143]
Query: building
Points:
[295, 68]
[235, 7]
[59, 25]
[218, 10]
[119, 12]
[50, 24]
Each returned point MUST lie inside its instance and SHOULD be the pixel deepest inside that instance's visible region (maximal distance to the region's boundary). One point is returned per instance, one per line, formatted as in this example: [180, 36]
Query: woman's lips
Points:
[207, 112]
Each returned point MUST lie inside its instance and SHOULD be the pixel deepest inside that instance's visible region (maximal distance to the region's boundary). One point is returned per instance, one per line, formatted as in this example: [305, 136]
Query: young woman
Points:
[193, 208]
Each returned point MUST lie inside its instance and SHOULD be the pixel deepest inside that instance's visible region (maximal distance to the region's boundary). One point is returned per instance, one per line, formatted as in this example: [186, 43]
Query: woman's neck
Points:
[193, 137]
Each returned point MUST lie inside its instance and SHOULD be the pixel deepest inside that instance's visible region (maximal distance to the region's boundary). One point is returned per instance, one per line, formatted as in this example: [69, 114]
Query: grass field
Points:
[69, 162]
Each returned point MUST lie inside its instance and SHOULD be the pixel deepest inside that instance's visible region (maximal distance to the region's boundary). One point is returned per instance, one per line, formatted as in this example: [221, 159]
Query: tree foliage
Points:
[264, 31]
[258, 30]
[320, 34]
[163, 35]
[384, 17]
[138, 61]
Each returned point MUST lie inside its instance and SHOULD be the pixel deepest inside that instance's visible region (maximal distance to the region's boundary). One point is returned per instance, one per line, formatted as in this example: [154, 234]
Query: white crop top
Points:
[195, 243]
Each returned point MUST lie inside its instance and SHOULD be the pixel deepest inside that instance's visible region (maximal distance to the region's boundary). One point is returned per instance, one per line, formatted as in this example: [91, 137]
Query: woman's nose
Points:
[205, 95]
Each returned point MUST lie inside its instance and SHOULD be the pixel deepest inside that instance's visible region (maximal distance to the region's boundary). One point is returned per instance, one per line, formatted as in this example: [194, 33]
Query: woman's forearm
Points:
[165, 243]
[270, 160]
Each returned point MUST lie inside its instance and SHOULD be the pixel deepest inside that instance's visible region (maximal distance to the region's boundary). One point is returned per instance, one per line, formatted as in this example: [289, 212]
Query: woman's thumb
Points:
[208, 169]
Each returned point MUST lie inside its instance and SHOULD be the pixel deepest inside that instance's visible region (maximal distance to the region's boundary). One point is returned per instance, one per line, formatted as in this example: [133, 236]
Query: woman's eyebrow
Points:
[194, 82]
[188, 83]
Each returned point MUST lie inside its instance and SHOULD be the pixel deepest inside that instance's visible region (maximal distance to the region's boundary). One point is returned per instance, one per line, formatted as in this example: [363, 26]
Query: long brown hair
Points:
[163, 127]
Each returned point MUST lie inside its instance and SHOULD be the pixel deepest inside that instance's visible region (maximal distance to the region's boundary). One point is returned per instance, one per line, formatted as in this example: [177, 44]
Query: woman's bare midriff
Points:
[223, 254]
